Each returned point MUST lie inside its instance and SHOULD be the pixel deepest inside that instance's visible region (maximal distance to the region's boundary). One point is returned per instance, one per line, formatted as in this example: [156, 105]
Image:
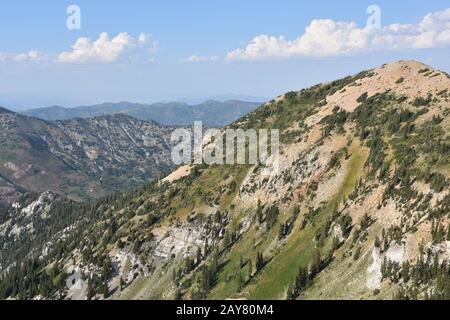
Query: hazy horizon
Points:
[19, 107]
[147, 52]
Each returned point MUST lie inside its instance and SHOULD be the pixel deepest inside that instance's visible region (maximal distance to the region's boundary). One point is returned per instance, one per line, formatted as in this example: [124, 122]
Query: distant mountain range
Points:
[223, 98]
[212, 113]
[90, 151]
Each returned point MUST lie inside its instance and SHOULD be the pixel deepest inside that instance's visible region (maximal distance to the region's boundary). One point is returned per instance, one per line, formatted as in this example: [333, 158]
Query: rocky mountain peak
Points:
[358, 208]
[410, 79]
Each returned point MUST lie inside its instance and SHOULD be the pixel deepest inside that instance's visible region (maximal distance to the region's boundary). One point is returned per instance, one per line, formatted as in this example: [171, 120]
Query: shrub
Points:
[421, 102]
[363, 97]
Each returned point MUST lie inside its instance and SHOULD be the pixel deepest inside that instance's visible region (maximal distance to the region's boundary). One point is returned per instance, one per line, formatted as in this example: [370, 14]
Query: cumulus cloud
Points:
[105, 49]
[143, 38]
[326, 38]
[196, 58]
[32, 55]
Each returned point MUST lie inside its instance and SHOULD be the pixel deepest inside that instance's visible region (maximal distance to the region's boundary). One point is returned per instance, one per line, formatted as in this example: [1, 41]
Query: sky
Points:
[147, 51]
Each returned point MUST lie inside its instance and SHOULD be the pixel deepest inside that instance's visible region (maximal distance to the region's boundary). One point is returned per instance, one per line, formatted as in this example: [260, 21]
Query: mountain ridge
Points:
[359, 209]
[81, 158]
[211, 112]
[4, 110]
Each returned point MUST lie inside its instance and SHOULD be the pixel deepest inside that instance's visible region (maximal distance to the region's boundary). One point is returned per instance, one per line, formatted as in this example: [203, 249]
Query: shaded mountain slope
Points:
[80, 158]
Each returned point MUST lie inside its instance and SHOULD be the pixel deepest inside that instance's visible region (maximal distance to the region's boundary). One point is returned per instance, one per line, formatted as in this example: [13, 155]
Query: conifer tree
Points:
[259, 213]
[199, 255]
[315, 264]
[259, 261]
[90, 290]
[178, 296]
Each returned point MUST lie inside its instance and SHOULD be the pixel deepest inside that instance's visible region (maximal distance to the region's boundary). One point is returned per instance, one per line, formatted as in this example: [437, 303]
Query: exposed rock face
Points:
[80, 158]
[179, 241]
[25, 220]
[22, 215]
[358, 210]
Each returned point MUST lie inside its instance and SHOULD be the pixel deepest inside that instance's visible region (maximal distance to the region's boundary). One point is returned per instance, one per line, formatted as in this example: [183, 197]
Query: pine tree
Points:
[377, 242]
[105, 289]
[292, 292]
[122, 283]
[259, 213]
[271, 216]
[44, 285]
[205, 280]
[259, 261]
[405, 271]
[90, 290]
[315, 264]
[357, 253]
[302, 279]
[174, 275]
[215, 262]
[199, 255]
[178, 296]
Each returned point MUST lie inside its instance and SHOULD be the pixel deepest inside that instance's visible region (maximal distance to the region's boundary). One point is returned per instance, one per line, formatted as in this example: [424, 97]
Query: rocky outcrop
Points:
[80, 158]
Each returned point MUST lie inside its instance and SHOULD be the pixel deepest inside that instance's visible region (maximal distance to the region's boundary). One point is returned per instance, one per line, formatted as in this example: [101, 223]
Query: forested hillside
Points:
[359, 209]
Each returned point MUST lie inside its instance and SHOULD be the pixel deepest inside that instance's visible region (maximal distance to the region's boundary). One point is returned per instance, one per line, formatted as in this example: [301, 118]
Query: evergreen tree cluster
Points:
[428, 278]
[306, 276]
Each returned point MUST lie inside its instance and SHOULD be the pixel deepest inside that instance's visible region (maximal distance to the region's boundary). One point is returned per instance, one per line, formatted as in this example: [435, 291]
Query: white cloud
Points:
[104, 49]
[325, 38]
[35, 55]
[2, 57]
[196, 58]
[143, 38]
[32, 55]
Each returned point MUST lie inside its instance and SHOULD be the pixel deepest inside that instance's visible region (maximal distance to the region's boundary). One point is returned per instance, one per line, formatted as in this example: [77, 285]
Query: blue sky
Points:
[202, 48]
